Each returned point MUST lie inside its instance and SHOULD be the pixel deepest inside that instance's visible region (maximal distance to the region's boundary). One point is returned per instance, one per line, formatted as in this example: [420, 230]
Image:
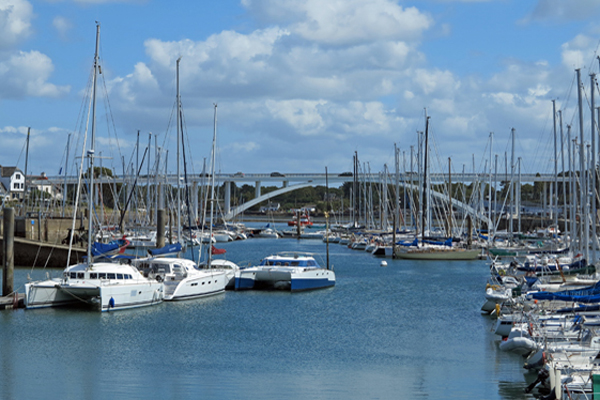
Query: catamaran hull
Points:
[47, 294]
[103, 298]
[196, 287]
[296, 282]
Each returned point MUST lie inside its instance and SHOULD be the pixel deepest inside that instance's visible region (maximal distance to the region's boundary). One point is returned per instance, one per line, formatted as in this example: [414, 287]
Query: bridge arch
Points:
[239, 209]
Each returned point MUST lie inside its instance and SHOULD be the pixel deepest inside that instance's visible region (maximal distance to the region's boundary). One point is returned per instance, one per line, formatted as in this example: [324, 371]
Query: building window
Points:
[17, 176]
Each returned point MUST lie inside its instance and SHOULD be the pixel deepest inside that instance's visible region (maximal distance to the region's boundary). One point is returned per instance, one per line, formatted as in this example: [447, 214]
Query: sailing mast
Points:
[178, 150]
[92, 149]
[25, 174]
[424, 209]
[212, 189]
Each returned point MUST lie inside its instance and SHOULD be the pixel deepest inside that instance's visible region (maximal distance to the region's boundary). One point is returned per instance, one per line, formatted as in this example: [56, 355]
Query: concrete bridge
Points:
[294, 181]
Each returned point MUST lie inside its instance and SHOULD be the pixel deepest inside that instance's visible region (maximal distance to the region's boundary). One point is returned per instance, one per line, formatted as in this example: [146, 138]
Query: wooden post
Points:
[160, 229]
[9, 255]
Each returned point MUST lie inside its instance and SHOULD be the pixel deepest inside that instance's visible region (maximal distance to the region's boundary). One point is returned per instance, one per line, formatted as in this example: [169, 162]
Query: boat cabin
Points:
[290, 261]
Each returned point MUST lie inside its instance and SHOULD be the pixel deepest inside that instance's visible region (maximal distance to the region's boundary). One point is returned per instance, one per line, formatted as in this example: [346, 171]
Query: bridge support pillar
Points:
[257, 189]
[227, 197]
[286, 183]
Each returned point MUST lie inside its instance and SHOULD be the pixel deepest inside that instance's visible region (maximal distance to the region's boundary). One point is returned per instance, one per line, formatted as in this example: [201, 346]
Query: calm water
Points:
[411, 330]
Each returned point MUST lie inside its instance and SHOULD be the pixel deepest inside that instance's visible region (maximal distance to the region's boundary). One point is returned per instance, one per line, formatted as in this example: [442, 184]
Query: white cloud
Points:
[15, 22]
[26, 74]
[303, 116]
[576, 53]
[344, 22]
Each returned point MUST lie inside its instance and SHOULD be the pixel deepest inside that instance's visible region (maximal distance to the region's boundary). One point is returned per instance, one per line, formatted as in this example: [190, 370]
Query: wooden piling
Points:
[160, 229]
[8, 261]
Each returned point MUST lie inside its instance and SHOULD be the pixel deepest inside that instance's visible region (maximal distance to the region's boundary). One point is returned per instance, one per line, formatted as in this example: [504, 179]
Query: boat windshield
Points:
[290, 263]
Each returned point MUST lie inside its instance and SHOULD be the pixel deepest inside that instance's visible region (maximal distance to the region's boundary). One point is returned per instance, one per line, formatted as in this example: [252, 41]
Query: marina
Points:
[416, 281]
[394, 332]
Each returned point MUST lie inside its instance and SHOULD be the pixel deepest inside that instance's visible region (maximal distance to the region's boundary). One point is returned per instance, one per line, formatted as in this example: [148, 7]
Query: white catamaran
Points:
[101, 285]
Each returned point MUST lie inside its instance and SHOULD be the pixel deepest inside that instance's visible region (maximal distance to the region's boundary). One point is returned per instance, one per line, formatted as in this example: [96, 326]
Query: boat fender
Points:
[159, 278]
[497, 309]
[111, 303]
[530, 329]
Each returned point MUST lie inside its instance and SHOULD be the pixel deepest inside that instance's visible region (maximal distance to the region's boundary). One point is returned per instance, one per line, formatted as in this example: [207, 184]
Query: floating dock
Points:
[12, 302]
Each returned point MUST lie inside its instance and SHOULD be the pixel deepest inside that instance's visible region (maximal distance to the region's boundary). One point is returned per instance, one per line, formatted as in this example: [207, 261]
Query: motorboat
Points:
[294, 271]
[304, 220]
[182, 278]
[102, 286]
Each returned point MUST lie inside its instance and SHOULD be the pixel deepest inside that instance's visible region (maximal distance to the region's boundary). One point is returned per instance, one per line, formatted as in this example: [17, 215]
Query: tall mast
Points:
[25, 174]
[148, 213]
[449, 197]
[178, 155]
[592, 190]
[512, 182]
[554, 199]
[490, 192]
[91, 151]
[425, 177]
[64, 199]
[584, 202]
[212, 187]
[562, 166]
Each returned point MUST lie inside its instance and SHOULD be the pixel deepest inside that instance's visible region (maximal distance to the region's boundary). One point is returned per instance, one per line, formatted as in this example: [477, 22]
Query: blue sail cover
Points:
[532, 267]
[447, 242]
[414, 243]
[168, 249]
[104, 249]
[590, 294]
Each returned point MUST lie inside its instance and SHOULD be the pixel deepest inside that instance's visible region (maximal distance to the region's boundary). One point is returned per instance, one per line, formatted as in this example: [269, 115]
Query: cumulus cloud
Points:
[346, 73]
[576, 53]
[26, 74]
[348, 22]
[15, 22]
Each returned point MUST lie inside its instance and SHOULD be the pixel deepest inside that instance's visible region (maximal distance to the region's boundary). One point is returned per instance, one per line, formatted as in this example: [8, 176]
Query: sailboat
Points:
[183, 278]
[229, 268]
[430, 249]
[103, 286]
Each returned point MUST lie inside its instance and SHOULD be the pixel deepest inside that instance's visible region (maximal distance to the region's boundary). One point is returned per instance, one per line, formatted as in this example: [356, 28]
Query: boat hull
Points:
[47, 294]
[311, 279]
[448, 255]
[208, 284]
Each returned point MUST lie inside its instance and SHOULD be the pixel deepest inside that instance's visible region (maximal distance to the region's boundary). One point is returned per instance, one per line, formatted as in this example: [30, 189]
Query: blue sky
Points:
[300, 85]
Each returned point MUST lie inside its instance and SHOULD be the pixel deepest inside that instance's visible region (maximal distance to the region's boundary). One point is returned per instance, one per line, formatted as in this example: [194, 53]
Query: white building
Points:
[12, 180]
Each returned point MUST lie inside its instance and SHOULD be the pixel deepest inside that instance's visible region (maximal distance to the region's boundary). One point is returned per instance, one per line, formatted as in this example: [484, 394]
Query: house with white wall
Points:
[13, 181]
